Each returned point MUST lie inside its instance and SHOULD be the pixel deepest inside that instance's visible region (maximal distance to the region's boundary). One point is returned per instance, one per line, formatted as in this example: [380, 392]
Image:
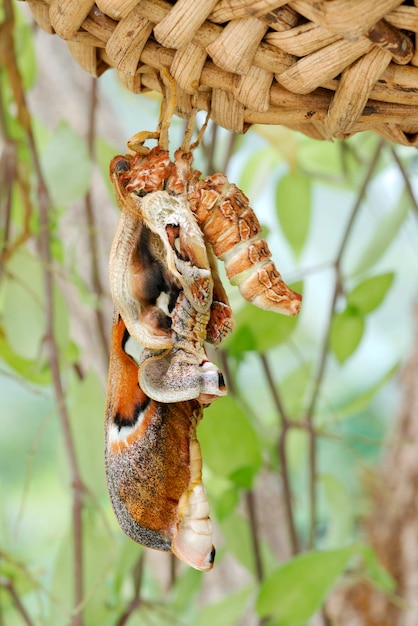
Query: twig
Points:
[211, 150]
[136, 601]
[53, 355]
[249, 497]
[325, 345]
[92, 227]
[282, 451]
[232, 385]
[173, 571]
[9, 174]
[226, 370]
[24, 118]
[251, 508]
[8, 586]
[210, 167]
[325, 617]
[405, 177]
[229, 151]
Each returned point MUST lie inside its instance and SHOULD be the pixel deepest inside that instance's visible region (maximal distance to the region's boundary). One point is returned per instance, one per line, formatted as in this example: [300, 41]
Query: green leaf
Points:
[294, 387]
[99, 555]
[24, 308]
[124, 560]
[284, 142]
[324, 158]
[257, 170]
[223, 494]
[382, 236]
[341, 512]
[297, 589]
[23, 314]
[260, 330]
[66, 165]
[104, 154]
[363, 399]
[228, 440]
[293, 205]
[346, 332]
[236, 532]
[227, 502]
[241, 340]
[33, 371]
[370, 293]
[378, 574]
[17, 572]
[86, 415]
[226, 612]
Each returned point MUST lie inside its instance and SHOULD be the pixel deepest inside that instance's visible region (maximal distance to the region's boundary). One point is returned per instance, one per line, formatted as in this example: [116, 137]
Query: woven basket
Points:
[327, 68]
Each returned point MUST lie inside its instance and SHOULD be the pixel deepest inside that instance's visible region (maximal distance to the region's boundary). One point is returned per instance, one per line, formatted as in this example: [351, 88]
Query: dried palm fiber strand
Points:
[327, 69]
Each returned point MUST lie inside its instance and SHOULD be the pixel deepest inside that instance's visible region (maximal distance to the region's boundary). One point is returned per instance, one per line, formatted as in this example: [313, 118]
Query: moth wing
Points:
[151, 466]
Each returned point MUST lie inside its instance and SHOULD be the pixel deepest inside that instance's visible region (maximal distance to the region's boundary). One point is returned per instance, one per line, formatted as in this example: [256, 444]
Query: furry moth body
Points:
[169, 300]
[153, 464]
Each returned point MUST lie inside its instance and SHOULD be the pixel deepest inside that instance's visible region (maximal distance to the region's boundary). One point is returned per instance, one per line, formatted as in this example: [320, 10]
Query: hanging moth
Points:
[169, 301]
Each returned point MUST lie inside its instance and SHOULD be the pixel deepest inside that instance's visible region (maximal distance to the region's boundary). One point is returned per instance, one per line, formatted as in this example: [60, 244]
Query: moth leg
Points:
[167, 110]
[136, 143]
[168, 107]
[221, 321]
[183, 373]
[191, 261]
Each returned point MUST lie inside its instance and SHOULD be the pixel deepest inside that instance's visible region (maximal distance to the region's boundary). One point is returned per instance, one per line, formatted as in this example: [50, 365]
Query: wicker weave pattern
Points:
[325, 68]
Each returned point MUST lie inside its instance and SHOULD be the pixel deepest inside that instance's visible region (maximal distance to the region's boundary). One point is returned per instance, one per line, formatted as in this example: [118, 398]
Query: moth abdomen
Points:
[233, 230]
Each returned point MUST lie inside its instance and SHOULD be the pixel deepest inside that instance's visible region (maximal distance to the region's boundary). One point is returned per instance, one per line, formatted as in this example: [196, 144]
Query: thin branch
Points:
[7, 175]
[24, 118]
[210, 167]
[211, 150]
[251, 509]
[226, 370]
[136, 602]
[53, 356]
[92, 227]
[232, 386]
[325, 344]
[229, 151]
[10, 174]
[326, 620]
[249, 497]
[406, 180]
[173, 571]
[282, 451]
[9, 587]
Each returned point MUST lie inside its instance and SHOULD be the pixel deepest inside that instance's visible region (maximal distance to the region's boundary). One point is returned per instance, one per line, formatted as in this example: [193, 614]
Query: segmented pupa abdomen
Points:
[232, 228]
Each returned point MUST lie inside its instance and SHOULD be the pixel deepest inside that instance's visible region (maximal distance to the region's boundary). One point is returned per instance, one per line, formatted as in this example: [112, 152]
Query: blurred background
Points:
[310, 463]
